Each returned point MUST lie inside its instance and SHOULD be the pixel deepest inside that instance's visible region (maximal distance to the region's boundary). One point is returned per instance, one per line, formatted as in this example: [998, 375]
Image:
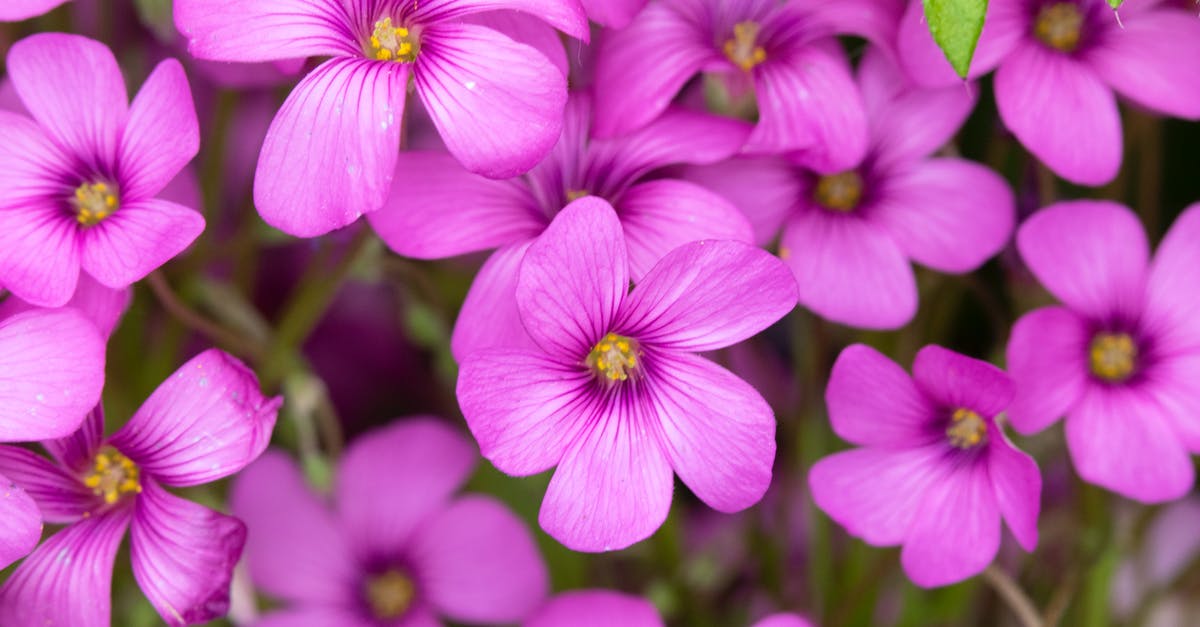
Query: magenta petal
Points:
[596, 608]
[1062, 112]
[205, 422]
[718, 432]
[103, 306]
[527, 28]
[60, 496]
[708, 295]
[948, 214]
[478, 563]
[49, 590]
[574, 279]
[956, 534]
[321, 616]
[394, 477]
[783, 619]
[565, 15]
[161, 135]
[32, 166]
[17, 10]
[498, 104]
[1047, 358]
[1091, 254]
[76, 452]
[764, 188]
[1175, 383]
[39, 253]
[281, 513]
[956, 381]
[1173, 289]
[489, 317]
[873, 402]
[1121, 439]
[330, 153]
[676, 136]
[183, 555]
[20, 520]
[1006, 24]
[53, 365]
[1147, 61]
[138, 239]
[613, 13]
[915, 123]
[265, 30]
[1018, 486]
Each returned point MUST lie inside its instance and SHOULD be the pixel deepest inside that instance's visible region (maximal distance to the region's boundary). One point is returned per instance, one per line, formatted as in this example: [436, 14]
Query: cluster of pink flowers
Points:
[658, 181]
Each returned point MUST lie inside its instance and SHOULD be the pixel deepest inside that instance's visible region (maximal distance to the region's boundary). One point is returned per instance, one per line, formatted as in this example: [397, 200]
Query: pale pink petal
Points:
[161, 135]
[873, 402]
[956, 534]
[1047, 358]
[529, 29]
[1147, 60]
[574, 279]
[17, 10]
[708, 295]
[330, 153]
[498, 104]
[205, 422]
[478, 563]
[137, 239]
[1018, 486]
[60, 496]
[596, 608]
[265, 30]
[53, 365]
[489, 317]
[39, 253]
[1061, 112]
[438, 209]
[955, 381]
[1006, 24]
[1173, 287]
[764, 188]
[20, 522]
[613, 13]
[1091, 254]
[565, 15]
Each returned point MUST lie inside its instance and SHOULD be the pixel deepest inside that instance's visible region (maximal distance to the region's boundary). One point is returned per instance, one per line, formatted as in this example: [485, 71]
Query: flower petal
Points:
[1173, 286]
[783, 619]
[527, 28]
[32, 166]
[677, 136]
[1018, 487]
[956, 534]
[489, 317]
[915, 123]
[565, 15]
[138, 239]
[39, 253]
[330, 153]
[17, 10]
[77, 451]
[60, 496]
[1005, 24]
[265, 30]
[613, 13]
[20, 521]
[1174, 383]
[319, 616]
[764, 188]
[873, 402]
[161, 135]
[103, 306]
[498, 104]
[1047, 359]
[205, 422]
[1146, 61]
[954, 381]
[596, 608]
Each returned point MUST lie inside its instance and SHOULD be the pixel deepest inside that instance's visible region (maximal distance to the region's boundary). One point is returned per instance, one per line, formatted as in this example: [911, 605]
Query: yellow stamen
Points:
[390, 594]
[93, 202]
[113, 476]
[1112, 356]
[614, 358]
[967, 429]
[1059, 26]
[742, 48]
[840, 192]
[392, 43]
[576, 194]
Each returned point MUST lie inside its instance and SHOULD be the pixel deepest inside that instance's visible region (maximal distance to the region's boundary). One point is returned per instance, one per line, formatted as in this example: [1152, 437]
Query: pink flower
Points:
[1121, 357]
[398, 547]
[783, 619]
[596, 608]
[17, 10]
[330, 154]
[78, 182]
[849, 236]
[1060, 61]
[613, 13]
[612, 393]
[934, 471]
[437, 209]
[103, 306]
[206, 422]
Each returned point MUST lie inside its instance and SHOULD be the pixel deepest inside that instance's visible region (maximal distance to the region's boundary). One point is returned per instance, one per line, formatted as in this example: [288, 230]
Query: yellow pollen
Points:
[840, 192]
[614, 358]
[1059, 26]
[393, 43]
[113, 475]
[1112, 356]
[93, 202]
[967, 429]
[742, 48]
[390, 594]
[576, 194]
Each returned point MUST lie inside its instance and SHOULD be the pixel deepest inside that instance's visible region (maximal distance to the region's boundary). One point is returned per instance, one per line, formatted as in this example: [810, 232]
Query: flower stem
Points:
[1013, 595]
[197, 322]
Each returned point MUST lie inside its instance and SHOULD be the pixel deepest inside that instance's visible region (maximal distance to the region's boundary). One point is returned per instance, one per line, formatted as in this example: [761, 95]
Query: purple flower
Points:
[1060, 61]
[17, 10]
[783, 619]
[331, 151]
[935, 471]
[53, 369]
[1121, 358]
[611, 391]
[849, 236]
[596, 608]
[78, 182]
[206, 422]
[398, 547]
[437, 209]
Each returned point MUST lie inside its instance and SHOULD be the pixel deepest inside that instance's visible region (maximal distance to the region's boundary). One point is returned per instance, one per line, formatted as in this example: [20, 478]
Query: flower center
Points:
[742, 48]
[390, 594]
[1112, 356]
[576, 194]
[967, 429]
[840, 192]
[113, 476]
[93, 202]
[393, 43]
[1059, 26]
[614, 358]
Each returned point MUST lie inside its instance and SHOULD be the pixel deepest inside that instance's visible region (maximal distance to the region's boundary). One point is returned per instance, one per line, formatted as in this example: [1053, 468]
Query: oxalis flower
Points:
[206, 422]
[1060, 61]
[596, 608]
[78, 182]
[1120, 358]
[398, 548]
[438, 209]
[331, 151]
[17, 10]
[934, 471]
[611, 392]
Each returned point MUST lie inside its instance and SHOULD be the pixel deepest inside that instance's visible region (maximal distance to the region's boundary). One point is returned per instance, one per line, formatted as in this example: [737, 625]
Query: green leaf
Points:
[956, 25]
[1115, 4]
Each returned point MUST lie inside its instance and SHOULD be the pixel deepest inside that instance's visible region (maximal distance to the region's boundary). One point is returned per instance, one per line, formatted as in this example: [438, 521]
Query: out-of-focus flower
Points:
[596, 608]
[783, 620]
[398, 547]
[16, 10]
[1060, 61]
[1121, 357]
[613, 13]
[1168, 546]
[206, 422]
[849, 236]
[79, 182]
[612, 393]
[935, 471]
[438, 209]
[331, 151]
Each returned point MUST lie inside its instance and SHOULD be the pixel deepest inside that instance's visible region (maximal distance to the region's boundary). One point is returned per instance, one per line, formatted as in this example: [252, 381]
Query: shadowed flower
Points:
[330, 153]
[783, 620]
[611, 391]
[17, 10]
[934, 471]
[596, 608]
[206, 422]
[1121, 357]
[398, 548]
